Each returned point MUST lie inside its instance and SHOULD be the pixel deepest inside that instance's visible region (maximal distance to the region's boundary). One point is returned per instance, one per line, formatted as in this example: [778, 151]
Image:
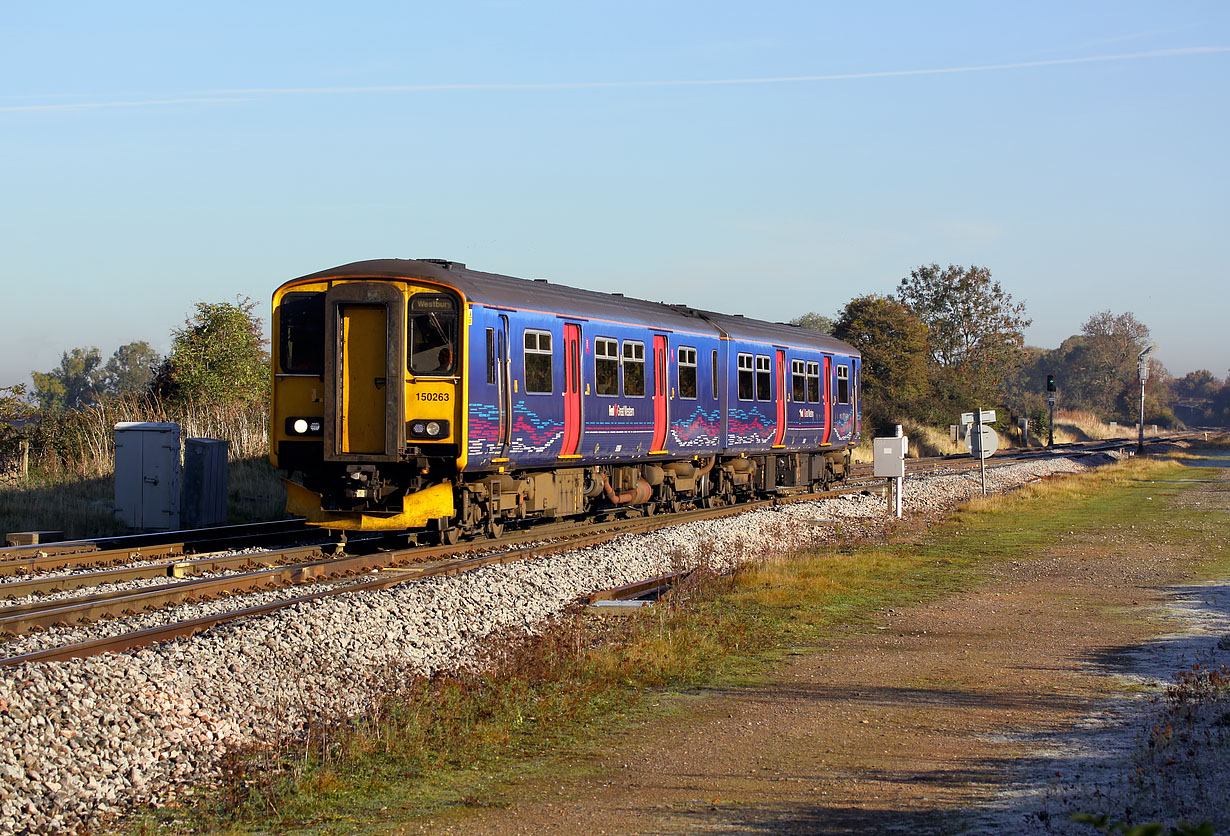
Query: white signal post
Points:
[1142, 369]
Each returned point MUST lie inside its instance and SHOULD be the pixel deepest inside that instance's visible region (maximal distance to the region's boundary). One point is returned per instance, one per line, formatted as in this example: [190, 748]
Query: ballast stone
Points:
[142, 725]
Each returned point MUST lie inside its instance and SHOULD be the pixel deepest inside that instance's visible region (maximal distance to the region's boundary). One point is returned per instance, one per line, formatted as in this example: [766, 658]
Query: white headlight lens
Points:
[433, 428]
[301, 426]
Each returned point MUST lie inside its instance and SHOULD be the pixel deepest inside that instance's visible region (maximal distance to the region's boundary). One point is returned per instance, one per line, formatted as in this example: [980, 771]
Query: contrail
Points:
[248, 94]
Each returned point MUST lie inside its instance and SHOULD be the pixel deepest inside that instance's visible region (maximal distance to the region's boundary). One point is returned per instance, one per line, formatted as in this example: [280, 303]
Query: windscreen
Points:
[433, 334]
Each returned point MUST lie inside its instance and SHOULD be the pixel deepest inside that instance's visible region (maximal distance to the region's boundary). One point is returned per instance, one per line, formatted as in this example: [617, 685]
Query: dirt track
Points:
[909, 727]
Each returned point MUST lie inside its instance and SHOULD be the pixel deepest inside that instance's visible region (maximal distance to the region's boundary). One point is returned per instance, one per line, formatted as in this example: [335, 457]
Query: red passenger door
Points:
[780, 435]
[661, 402]
[572, 389]
[828, 398]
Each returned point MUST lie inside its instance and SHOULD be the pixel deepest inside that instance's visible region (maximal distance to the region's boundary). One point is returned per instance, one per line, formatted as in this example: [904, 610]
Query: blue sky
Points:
[768, 159]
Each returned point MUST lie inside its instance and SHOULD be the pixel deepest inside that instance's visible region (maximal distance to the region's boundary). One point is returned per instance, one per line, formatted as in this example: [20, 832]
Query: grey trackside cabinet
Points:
[147, 475]
[204, 502]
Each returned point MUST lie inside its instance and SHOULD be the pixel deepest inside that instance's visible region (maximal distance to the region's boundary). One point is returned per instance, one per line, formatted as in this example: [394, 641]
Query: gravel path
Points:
[85, 738]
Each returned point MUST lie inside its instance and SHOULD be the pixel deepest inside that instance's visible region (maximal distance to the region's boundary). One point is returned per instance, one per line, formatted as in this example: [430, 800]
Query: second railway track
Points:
[281, 568]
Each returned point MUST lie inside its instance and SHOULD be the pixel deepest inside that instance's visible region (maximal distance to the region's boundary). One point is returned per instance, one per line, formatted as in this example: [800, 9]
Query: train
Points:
[424, 396]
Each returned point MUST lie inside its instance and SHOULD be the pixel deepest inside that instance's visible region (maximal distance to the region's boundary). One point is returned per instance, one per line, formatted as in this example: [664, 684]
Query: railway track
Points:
[198, 579]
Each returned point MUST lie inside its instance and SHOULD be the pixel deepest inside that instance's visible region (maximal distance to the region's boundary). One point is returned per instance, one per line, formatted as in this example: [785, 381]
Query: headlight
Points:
[304, 426]
[423, 428]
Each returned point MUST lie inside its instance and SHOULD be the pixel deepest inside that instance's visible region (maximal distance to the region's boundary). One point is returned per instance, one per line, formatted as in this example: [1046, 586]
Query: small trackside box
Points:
[890, 456]
[147, 475]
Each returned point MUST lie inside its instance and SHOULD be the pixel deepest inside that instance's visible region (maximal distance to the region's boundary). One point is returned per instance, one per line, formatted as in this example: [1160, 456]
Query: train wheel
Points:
[495, 528]
[651, 508]
[448, 536]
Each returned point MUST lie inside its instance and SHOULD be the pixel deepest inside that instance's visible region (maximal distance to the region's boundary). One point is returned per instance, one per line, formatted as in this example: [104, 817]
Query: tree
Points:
[1099, 365]
[814, 322]
[218, 356]
[893, 342]
[76, 382]
[13, 406]
[975, 332]
[1200, 384]
[131, 369]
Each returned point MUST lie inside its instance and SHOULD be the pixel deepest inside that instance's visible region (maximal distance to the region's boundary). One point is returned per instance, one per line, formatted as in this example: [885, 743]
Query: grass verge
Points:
[461, 741]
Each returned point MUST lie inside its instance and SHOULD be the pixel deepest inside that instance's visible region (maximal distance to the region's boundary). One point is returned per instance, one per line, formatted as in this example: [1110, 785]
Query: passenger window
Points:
[433, 334]
[634, 369]
[606, 366]
[687, 372]
[538, 362]
[714, 370]
[843, 384]
[813, 382]
[764, 378]
[301, 320]
[798, 381]
[747, 386]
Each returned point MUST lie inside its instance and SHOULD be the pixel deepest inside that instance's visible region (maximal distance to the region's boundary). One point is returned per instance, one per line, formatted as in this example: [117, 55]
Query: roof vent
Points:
[445, 263]
[617, 294]
[544, 281]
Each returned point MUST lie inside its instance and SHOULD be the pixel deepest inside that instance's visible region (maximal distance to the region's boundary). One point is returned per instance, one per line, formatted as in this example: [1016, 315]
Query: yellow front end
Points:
[369, 400]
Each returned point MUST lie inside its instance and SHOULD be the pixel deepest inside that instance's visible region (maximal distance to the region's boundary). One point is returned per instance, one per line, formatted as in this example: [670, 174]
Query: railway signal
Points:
[1050, 427]
[1142, 369]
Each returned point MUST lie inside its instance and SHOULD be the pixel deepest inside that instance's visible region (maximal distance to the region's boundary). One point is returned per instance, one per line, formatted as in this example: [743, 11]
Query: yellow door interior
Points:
[363, 386]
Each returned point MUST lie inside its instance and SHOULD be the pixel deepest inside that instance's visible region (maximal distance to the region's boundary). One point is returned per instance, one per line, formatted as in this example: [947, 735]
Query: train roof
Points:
[496, 290]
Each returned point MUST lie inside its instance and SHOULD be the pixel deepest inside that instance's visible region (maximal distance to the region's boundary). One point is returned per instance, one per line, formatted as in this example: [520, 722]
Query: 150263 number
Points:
[431, 396]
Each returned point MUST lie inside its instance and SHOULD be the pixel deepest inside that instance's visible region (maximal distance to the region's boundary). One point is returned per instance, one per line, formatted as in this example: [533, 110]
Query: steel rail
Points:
[171, 569]
[30, 565]
[391, 562]
[192, 539]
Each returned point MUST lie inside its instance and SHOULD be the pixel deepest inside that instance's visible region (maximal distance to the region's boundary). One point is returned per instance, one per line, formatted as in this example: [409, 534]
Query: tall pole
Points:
[1142, 369]
[1140, 440]
[1050, 427]
[982, 455]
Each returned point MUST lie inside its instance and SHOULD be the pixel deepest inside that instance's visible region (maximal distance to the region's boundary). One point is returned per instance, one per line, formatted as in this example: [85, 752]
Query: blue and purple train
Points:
[411, 394]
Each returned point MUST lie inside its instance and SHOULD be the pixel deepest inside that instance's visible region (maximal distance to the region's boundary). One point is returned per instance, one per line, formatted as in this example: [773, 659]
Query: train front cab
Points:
[368, 395]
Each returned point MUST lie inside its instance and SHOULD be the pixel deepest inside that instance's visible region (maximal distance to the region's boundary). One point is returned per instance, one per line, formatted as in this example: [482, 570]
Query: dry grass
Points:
[1076, 425]
[463, 739]
[70, 486]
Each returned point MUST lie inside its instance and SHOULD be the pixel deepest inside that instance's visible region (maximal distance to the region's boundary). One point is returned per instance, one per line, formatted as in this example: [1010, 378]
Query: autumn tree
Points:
[218, 356]
[1097, 368]
[975, 332]
[893, 343]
